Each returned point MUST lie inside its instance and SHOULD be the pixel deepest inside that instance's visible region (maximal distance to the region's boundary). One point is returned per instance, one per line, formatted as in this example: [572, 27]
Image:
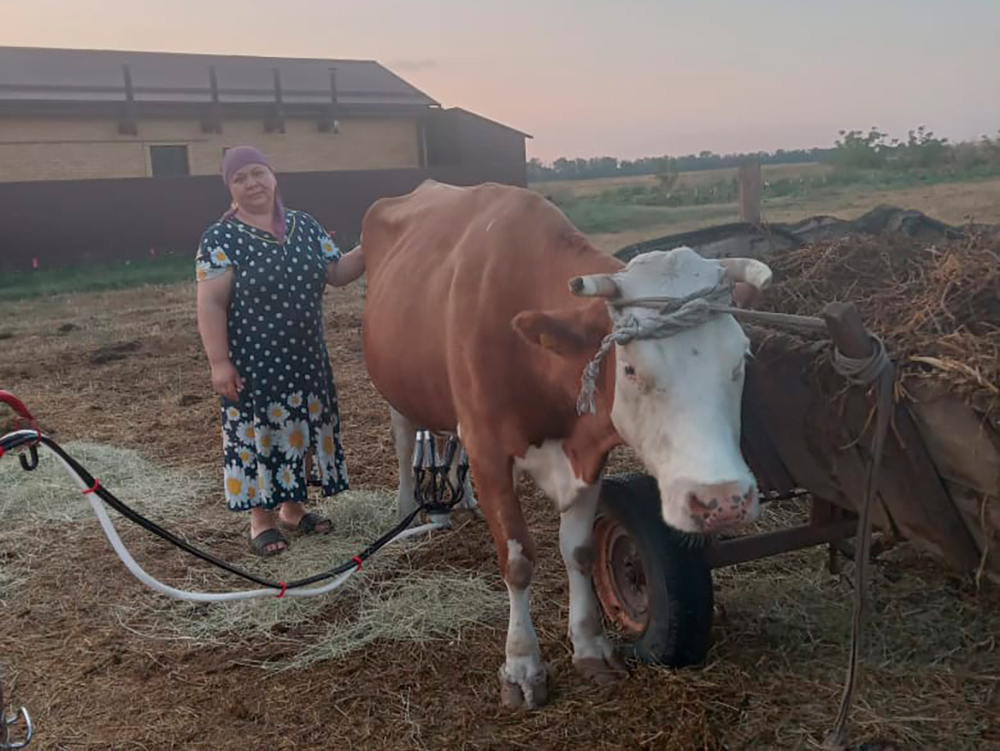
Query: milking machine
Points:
[7, 721]
[437, 488]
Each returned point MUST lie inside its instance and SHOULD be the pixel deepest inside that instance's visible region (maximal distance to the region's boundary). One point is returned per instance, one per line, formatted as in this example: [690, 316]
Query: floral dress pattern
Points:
[288, 406]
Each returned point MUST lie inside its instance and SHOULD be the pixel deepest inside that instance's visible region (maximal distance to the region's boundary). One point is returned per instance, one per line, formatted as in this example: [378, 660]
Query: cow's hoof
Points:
[525, 683]
[602, 671]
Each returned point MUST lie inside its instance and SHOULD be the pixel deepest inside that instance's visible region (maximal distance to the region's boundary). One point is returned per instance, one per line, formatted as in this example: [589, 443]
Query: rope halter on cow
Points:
[674, 315]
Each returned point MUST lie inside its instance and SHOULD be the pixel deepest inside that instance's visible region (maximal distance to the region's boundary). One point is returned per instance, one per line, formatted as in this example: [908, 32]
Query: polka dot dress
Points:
[288, 406]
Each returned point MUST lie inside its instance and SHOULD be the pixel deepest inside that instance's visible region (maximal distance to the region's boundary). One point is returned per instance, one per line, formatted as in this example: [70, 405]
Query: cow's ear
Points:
[565, 333]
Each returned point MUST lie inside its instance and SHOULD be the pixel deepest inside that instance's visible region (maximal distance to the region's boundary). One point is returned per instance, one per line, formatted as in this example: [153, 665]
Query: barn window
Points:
[169, 161]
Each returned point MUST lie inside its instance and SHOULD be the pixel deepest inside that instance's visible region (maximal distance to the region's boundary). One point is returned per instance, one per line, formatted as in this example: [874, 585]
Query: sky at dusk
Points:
[586, 78]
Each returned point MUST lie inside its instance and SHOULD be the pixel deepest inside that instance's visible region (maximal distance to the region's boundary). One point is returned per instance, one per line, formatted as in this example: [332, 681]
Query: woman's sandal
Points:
[309, 522]
[262, 542]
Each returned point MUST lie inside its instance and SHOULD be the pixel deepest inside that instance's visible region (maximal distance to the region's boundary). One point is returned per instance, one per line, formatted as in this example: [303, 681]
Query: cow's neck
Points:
[592, 437]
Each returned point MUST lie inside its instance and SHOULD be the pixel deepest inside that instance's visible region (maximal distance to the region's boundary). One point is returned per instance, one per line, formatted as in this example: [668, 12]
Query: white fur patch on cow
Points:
[576, 534]
[552, 471]
[523, 666]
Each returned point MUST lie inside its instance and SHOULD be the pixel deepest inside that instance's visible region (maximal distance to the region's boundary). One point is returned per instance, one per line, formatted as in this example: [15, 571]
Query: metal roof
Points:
[30, 74]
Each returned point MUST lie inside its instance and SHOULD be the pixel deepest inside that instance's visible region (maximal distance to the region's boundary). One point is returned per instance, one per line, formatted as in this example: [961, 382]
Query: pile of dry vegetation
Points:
[936, 306]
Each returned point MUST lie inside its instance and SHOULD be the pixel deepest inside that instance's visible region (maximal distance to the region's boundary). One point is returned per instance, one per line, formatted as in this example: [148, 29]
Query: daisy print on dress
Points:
[277, 413]
[265, 484]
[211, 261]
[330, 251]
[246, 457]
[286, 477]
[295, 400]
[246, 433]
[326, 447]
[294, 440]
[236, 485]
[264, 441]
[315, 407]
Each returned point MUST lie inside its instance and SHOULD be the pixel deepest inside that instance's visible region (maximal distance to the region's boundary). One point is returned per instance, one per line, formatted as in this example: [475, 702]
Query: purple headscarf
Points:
[236, 159]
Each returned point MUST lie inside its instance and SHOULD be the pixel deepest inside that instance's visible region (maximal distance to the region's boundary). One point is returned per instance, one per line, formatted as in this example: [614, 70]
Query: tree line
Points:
[609, 166]
[855, 149]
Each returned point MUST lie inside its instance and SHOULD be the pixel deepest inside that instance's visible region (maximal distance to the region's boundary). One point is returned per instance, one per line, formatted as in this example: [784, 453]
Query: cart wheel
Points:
[652, 581]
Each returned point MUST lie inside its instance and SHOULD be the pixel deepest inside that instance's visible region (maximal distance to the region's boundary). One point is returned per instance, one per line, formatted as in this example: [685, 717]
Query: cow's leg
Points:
[524, 678]
[405, 439]
[593, 655]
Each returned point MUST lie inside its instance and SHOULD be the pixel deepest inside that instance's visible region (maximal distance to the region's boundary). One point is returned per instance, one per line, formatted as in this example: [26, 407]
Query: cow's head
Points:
[677, 398]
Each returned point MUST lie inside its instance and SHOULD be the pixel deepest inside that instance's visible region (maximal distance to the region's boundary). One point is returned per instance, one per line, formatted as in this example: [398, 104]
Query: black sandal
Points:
[308, 523]
[268, 537]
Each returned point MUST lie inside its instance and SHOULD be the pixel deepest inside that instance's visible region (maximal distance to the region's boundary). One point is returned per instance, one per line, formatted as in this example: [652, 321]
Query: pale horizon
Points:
[585, 79]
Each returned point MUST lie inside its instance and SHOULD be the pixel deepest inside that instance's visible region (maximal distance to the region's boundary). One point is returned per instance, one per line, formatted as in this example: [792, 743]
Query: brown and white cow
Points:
[470, 326]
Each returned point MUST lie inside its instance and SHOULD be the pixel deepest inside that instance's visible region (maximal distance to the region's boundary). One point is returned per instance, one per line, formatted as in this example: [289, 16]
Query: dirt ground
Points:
[127, 368]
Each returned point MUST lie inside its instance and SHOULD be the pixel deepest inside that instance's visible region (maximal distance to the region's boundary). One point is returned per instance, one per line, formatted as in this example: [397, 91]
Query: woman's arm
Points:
[213, 302]
[346, 269]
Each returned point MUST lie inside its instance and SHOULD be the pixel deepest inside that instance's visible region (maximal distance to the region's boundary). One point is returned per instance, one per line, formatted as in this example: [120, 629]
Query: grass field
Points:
[23, 285]
[612, 225]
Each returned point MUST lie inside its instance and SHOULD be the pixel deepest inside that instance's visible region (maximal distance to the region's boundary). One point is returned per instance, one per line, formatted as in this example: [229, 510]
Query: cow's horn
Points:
[747, 270]
[596, 285]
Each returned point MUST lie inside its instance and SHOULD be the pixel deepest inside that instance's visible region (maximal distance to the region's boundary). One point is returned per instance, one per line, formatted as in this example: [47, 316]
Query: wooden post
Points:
[750, 191]
[847, 329]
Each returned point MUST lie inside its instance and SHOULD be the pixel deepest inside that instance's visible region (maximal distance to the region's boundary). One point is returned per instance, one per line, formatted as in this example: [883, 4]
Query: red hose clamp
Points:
[22, 411]
[284, 588]
[94, 489]
[357, 559]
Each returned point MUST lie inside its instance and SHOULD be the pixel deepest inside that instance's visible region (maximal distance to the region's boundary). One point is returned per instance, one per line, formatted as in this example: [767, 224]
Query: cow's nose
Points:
[723, 505]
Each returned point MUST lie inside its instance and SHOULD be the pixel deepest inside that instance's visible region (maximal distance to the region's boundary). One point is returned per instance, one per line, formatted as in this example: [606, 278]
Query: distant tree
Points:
[853, 150]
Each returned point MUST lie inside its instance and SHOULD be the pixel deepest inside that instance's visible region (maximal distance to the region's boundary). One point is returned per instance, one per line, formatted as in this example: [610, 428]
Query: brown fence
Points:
[72, 222]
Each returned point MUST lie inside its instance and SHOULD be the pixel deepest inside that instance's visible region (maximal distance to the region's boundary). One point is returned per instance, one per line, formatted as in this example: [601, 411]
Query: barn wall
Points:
[41, 148]
[71, 222]
[458, 137]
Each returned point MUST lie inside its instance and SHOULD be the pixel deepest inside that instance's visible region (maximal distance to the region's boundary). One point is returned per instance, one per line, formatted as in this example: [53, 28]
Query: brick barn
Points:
[100, 132]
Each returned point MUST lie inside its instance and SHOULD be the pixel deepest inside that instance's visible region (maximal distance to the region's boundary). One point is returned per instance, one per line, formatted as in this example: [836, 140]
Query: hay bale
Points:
[49, 495]
[937, 306]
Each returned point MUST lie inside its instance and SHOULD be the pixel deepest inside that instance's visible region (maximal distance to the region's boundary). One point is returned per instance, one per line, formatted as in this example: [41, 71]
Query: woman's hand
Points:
[227, 381]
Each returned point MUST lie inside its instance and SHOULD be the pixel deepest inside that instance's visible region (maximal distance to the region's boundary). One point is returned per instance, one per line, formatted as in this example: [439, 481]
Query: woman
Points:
[261, 273]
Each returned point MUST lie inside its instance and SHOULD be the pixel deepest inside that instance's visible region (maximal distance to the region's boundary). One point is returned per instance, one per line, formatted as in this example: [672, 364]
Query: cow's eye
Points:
[629, 370]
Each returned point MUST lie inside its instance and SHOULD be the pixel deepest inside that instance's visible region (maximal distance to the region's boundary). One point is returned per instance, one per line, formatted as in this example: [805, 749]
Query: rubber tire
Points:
[679, 581]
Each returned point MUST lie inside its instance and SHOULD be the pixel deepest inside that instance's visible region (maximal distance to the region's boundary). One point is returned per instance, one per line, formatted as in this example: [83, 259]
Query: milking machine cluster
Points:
[434, 488]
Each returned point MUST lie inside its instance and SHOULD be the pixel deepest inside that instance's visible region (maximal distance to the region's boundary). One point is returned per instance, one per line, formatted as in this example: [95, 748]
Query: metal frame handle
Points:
[28, 734]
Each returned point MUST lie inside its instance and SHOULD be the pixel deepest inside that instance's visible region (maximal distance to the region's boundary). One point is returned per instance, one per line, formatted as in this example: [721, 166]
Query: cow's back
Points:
[448, 269]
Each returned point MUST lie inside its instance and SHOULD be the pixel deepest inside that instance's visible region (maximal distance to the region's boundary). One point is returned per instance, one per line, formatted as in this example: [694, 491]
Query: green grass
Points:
[639, 207]
[593, 216]
[22, 285]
